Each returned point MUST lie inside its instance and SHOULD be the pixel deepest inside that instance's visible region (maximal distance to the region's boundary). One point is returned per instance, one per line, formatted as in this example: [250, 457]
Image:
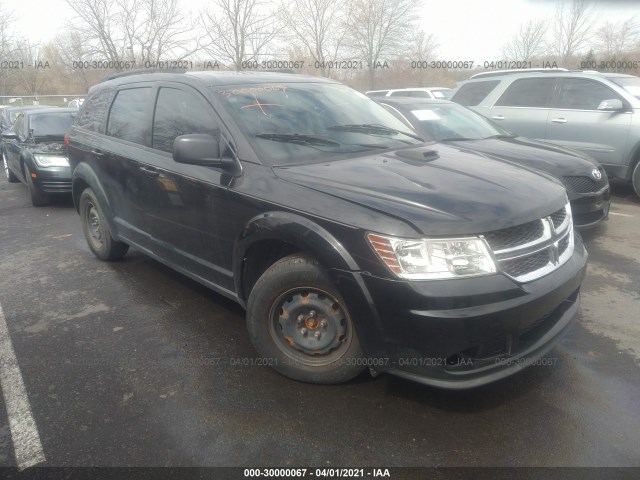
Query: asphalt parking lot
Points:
[132, 364]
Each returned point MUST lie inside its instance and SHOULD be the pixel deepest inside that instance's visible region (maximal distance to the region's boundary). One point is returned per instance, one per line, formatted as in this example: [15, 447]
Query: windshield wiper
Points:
[458, 139]
[373, 128]
[296, 138]
[501, 136]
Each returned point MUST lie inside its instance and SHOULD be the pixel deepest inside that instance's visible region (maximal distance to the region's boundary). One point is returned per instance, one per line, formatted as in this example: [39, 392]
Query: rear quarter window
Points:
[128, 115]
[471, 94]
[94, 110]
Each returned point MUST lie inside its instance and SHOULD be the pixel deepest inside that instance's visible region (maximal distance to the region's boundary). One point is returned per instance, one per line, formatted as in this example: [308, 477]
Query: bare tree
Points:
[379, 28]
[528, 43]
[423, 48]
[617, 39]
[572, 28]
[239, 30]
[140, 30]
[7, 43]
[313, 24]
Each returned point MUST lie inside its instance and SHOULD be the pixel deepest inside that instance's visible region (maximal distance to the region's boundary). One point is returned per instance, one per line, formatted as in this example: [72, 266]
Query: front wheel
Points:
[300, 323]
[97, 231]
[636, 179]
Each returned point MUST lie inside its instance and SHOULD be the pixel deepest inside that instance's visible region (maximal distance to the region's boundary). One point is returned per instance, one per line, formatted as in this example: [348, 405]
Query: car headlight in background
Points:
[51, 161]
[430, 259]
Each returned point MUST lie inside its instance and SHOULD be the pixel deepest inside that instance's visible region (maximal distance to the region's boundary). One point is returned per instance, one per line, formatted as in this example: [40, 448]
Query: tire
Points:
[11, 178]
[38, 197]
[299, 323]
[96, 230]
[635, 179]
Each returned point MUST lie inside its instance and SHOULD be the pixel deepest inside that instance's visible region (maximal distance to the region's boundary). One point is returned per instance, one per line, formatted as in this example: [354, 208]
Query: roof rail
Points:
[141, 71]
[494, 73]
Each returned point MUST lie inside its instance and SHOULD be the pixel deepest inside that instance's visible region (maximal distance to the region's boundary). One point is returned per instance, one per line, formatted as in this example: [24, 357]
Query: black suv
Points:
[350, 241]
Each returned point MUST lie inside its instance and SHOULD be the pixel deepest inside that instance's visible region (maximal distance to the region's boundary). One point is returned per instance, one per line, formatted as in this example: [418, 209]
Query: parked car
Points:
[596, 113]
[429, 92]
[350, 241]
[447, 122]
[34, 152]
[8, 115]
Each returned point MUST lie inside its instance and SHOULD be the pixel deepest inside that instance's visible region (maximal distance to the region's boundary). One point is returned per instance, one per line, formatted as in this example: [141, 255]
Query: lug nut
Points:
[317, 335]
[300, 319]
[303, 332]
[312, 313]
[323, 324]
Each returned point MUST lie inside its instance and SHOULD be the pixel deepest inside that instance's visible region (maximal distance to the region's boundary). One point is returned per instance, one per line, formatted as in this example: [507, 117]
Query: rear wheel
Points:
[636, 179]
[97, 231]
[38, 197]
[11, 178]
[300, 324]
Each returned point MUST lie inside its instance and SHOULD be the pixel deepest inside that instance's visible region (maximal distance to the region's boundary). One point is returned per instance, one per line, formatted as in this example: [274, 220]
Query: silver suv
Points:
[596, 113]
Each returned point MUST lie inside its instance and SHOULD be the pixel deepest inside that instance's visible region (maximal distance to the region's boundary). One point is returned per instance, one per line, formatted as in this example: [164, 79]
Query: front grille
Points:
[585, 184]
[523, 266]
[534, 249]
[514, 236]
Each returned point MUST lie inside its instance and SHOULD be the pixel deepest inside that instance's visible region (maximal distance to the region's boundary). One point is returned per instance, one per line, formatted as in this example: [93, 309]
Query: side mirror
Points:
[613, 104]
[9, 135]
[203, 149]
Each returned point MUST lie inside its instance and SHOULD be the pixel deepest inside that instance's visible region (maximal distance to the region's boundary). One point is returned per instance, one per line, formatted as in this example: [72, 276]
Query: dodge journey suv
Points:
[596, 113]
[350, 241]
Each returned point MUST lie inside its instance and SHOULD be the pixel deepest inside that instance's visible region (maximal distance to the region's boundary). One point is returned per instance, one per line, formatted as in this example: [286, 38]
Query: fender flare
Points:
[296, 230]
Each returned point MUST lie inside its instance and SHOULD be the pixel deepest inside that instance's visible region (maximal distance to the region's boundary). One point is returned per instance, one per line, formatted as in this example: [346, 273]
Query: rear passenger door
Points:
[576, 121]
[524, 106]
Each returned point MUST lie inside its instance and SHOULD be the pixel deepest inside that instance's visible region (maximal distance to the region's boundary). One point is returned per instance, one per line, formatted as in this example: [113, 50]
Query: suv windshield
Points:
[453, 122]
[308, 122]
[52, 124]
[630, 84]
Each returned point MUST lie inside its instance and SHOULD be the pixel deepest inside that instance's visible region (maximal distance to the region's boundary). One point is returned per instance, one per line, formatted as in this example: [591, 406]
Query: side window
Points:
[584, 94]
[179, 113]
[471, 94]
[94, 110]
[529, 92]
[127, 118]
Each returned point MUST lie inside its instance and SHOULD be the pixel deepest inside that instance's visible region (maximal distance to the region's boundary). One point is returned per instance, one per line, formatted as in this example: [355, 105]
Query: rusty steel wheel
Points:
[299, 322]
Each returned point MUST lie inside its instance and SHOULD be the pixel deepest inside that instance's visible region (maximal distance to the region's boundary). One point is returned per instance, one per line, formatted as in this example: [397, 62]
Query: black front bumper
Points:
[589, 209]
[53, 179]
[462, 333]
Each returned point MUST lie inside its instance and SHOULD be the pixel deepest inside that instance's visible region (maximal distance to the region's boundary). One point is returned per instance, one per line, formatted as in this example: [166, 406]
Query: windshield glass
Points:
[453, 122]
[51, 124]
[294, 123]
[630, 84]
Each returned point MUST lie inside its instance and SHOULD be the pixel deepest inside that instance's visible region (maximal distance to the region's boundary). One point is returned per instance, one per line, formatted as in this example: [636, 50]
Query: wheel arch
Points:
[85, 177]
[271, 236]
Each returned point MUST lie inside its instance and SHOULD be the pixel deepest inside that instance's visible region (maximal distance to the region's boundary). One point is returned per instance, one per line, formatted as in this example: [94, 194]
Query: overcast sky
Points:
[466, 29]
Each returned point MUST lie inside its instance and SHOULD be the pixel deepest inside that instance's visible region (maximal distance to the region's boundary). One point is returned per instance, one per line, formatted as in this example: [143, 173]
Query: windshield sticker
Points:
[252, 90]
[423, 115]
[438, 94]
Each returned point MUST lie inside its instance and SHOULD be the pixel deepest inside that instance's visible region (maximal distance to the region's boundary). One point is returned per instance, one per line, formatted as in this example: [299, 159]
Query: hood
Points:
[438, 189]
[555, 160]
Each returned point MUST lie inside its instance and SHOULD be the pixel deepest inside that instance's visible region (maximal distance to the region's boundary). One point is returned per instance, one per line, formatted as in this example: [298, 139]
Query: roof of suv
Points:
[542, 73]
[216, 78]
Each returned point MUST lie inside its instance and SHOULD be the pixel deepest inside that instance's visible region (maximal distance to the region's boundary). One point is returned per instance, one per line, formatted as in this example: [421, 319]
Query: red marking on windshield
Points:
[260, 105]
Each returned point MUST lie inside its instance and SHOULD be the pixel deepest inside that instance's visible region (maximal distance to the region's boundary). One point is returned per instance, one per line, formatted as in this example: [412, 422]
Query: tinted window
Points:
[51, 124]
[94, 110]
[179, 113]
[529, 92]
[471, 94]
[583, 94]
[127, 118]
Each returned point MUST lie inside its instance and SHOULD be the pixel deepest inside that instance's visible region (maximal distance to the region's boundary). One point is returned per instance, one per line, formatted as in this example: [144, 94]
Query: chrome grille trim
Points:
[556, 240]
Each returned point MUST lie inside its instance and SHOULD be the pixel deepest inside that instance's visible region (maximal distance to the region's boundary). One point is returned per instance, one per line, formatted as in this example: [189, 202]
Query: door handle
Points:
[97, 153]
[559, 120]
[152, 172]
[498, 117]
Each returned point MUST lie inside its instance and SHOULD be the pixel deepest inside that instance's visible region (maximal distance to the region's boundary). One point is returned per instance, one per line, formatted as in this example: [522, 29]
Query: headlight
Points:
[51, 161]
[430, 259]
